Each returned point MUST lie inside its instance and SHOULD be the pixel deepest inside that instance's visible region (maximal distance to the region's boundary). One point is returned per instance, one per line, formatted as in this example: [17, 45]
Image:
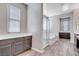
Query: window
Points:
[14, 19]
[65, 24]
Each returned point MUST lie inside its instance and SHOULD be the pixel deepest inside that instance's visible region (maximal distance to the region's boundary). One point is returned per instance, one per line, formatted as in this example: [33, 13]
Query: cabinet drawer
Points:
[4, 42]
[27, 44]
[18, 39]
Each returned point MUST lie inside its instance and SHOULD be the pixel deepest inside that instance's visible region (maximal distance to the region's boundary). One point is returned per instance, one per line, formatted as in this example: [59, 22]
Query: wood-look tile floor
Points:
[62, 47]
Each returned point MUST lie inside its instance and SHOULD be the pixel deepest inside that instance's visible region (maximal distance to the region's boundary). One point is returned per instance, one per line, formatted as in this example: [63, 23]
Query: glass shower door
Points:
[46, 31]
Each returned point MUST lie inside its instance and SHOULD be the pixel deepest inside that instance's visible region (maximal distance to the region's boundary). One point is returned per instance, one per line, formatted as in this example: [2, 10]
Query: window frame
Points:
[8, 18]
[62, 29]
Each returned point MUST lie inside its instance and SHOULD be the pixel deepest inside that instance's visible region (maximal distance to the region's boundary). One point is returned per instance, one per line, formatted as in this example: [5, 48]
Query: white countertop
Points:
[76, 32]
[8, 36]
[65, 31]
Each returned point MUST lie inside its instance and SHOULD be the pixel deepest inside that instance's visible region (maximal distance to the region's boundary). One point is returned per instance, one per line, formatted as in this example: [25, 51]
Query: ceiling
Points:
[52, 9]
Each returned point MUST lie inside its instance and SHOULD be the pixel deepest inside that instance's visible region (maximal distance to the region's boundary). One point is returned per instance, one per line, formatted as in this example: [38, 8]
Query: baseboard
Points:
[40, 51]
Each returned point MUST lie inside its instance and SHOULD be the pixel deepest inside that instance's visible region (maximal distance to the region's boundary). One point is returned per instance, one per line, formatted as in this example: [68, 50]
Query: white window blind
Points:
[65, 25]
[14, 19]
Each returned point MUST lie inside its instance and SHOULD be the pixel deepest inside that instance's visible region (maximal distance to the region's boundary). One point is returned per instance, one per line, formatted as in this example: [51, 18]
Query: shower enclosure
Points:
[46, 31]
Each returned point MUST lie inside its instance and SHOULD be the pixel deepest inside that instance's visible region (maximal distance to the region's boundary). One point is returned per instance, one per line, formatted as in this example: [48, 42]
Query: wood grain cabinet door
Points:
[27, 44]
[5, 50]
[0, 51]
[64, 35]
[18, 47]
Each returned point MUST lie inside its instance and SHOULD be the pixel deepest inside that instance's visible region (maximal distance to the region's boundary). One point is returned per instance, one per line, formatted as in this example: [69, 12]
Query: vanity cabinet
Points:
[64, 35]
[15, 46]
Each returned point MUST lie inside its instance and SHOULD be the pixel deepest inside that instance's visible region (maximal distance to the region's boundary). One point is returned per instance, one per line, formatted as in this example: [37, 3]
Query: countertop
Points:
[77, 32]
[8, 36]
[64, 31]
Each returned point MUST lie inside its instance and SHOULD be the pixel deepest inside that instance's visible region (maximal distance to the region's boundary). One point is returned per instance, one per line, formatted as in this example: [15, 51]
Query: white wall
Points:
[35, 25]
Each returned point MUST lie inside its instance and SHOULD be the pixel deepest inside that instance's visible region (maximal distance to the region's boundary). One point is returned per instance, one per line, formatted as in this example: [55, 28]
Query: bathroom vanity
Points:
[13, 44]
[65, 35]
